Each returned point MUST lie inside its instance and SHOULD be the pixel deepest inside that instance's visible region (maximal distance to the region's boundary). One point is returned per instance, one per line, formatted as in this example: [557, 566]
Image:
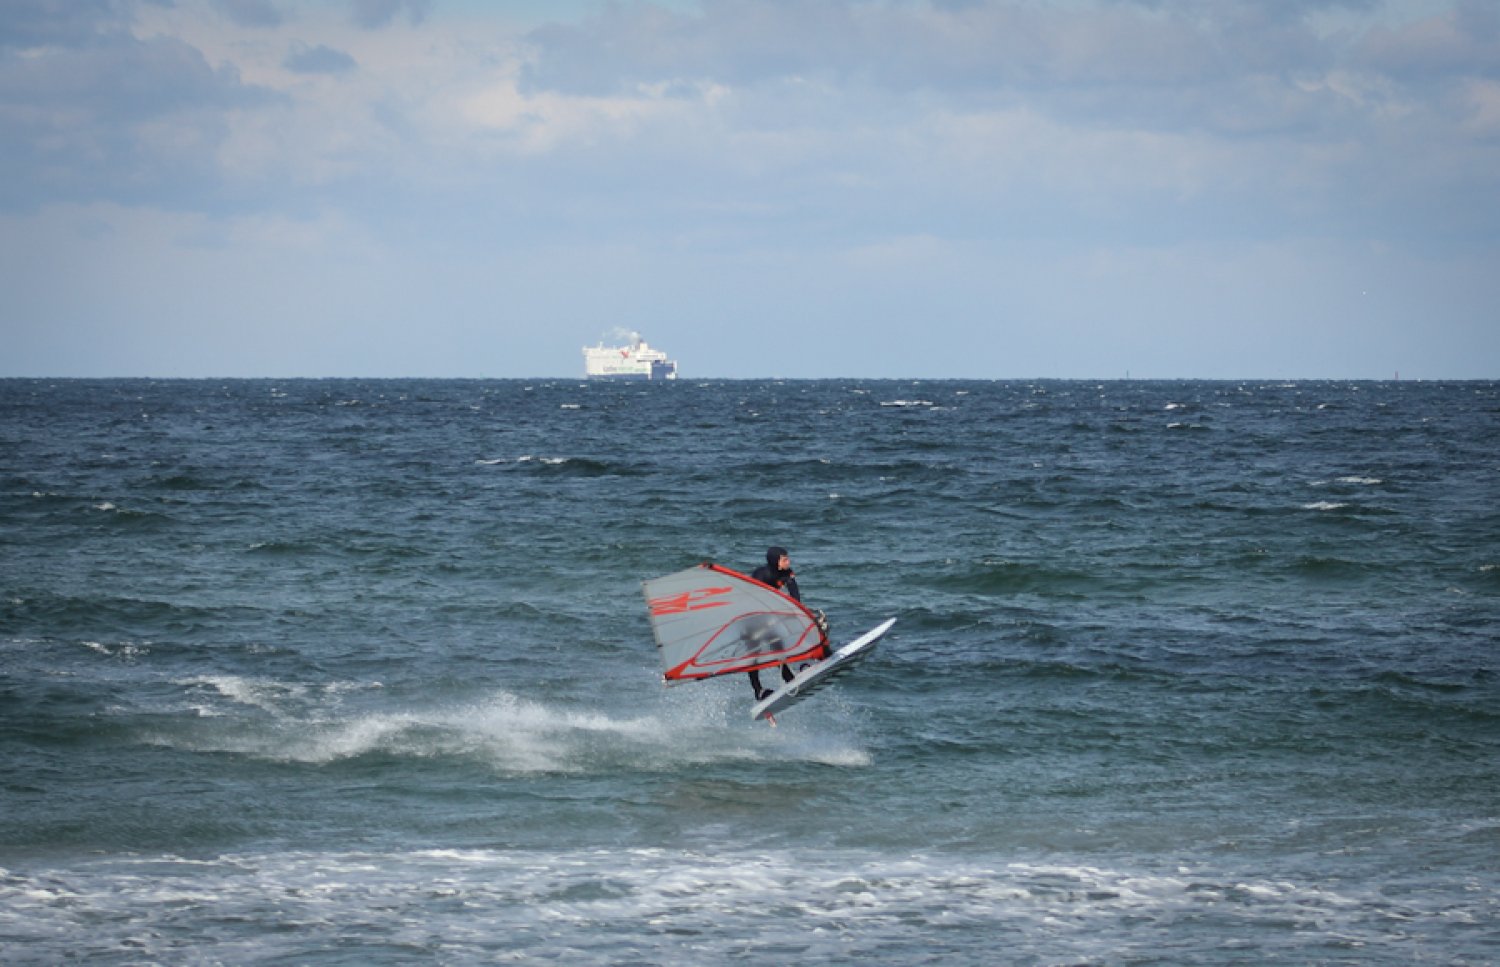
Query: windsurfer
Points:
[777, 573]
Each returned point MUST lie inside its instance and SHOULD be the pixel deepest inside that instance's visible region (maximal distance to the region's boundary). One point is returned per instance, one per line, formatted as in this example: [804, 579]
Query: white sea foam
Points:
[124, 649]
[597, 905]
[261, 693]
[1325, 505]
[528, 458]
[508, 734]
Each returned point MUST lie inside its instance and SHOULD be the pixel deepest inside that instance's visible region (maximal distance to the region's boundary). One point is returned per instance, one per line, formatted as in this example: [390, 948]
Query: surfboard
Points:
[815, 677]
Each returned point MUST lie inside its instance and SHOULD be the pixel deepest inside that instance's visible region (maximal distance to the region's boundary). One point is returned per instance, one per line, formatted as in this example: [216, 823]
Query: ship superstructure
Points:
[636, 360]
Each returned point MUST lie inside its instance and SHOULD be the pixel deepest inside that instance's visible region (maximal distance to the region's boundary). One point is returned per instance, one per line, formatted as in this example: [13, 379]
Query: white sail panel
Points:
[709, 621]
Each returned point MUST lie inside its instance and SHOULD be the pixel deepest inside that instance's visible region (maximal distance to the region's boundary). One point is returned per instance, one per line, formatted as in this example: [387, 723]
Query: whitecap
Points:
[586, 904]
[122, 650]
[509, 734]
[266, 694]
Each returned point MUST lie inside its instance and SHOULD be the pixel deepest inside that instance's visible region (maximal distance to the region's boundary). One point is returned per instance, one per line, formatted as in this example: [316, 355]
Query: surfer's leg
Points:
[755, 686]
[787, 674]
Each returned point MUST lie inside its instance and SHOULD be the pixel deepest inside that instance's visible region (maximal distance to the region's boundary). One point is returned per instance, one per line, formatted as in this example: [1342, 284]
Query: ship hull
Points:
[637, 361]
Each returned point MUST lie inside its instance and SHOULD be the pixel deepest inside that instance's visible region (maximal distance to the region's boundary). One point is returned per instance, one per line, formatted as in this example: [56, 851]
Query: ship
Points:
[637, 360]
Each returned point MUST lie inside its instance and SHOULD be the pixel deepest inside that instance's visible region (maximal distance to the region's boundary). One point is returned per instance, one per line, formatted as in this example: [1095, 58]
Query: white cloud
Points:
[843, 164]
[541, 122]
[321, 59]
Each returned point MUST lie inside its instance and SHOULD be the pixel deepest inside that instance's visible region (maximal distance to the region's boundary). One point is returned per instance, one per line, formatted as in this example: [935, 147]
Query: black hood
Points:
[774, 556]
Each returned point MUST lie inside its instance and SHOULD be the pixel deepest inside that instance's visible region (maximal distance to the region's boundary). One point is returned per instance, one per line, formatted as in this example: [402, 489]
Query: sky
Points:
[989, 189]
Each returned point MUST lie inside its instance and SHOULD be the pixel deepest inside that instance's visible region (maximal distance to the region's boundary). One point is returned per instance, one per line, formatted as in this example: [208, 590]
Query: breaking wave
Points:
[504, 732]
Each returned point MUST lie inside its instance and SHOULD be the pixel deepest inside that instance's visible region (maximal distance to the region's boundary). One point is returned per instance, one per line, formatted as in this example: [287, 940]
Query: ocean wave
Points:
[123, 649]
[997, 578]
[564, 465]
[87, 614]
[60, 506]
[508, 734]
[1325, 566]
[182, 481]
[395, 643]
[595, 905]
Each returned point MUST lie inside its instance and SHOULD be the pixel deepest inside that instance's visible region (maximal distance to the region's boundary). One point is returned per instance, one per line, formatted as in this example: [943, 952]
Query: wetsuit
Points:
[786, 582]
[783, 581]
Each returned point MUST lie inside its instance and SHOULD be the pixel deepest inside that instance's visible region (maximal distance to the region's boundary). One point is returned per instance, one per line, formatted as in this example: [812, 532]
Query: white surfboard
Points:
[814, 677]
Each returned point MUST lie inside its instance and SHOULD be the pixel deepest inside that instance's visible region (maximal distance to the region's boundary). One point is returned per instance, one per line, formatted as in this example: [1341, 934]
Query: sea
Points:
[356, 672]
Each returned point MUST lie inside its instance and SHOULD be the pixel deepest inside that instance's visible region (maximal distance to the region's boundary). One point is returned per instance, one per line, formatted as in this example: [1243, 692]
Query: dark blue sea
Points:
[359, 672]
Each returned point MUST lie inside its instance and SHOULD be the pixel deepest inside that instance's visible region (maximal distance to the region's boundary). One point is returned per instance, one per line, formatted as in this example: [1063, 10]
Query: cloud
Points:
[1173, 65]
[1277, 120]
[28, 24]
[113, 117]
[319, 60]
[981, 48]
[252, 13]
[1463, 41]
[738, 160]
[372, 14]
[913, 118]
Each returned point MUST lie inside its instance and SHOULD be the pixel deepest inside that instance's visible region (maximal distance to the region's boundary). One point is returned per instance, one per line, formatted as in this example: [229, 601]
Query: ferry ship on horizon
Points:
[636, 360]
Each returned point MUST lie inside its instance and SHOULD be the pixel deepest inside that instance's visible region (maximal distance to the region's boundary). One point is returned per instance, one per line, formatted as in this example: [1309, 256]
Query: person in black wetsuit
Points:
[777, 573]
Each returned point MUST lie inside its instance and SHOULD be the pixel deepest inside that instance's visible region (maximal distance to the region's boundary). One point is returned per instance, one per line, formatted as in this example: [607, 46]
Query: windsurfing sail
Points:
[709, 620]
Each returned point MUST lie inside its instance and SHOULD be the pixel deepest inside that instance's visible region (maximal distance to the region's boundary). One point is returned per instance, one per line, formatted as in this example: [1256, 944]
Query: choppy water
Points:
[359, 672]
